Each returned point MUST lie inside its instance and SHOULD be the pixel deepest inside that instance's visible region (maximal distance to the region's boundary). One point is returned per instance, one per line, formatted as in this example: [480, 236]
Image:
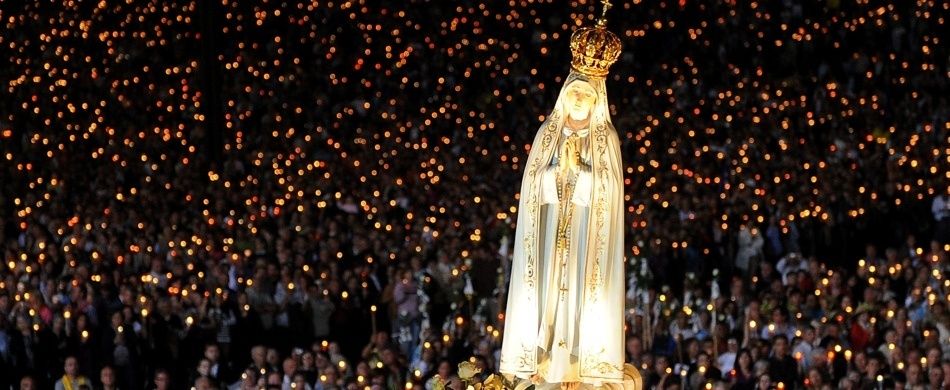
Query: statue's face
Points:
[580, 97]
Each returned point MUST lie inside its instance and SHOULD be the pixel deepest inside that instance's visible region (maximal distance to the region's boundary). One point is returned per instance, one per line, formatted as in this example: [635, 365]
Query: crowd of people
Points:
[322, 194]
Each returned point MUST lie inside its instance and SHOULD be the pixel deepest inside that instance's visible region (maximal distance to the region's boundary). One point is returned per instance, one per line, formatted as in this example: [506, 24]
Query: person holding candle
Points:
[805, 345]
[259, 360]
[23, 347]
[750, 248]
[872, 376]
[703, 371]
[407, 319]
[764, 382]
[273, 359]
[319, 307]
[742, 376]
[778, 326]
[658, 372]
[288, 370]
[726, 360]
[783, 368]
[815, 379]
[861, 331]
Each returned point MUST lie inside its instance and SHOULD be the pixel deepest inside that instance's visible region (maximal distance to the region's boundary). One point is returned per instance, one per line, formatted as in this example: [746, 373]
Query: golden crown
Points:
[594, 49]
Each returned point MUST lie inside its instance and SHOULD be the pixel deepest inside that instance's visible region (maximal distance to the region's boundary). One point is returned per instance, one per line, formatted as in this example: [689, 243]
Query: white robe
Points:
[579, 338]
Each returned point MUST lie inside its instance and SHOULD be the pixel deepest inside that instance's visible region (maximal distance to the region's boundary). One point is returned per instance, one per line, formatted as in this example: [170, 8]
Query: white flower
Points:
[467, 370]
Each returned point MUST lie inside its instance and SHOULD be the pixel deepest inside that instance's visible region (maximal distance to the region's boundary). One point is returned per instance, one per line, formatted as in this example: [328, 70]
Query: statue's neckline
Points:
[567, 131]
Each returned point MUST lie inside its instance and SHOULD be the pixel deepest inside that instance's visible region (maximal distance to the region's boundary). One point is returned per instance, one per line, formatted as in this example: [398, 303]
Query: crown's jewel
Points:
[594, 49]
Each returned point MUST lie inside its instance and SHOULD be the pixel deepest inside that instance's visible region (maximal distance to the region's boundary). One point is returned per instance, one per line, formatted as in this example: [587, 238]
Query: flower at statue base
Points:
[493, 382]
[438, 383]
[468, 370]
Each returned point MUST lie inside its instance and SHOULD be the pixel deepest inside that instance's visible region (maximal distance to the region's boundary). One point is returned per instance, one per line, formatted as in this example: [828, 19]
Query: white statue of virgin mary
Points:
[564, 320]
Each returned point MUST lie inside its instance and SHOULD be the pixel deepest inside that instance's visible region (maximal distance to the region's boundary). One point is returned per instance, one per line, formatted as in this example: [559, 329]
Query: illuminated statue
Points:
[564, 318]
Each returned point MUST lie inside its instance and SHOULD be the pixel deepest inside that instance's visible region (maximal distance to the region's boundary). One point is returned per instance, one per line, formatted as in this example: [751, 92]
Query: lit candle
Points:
[372, 317]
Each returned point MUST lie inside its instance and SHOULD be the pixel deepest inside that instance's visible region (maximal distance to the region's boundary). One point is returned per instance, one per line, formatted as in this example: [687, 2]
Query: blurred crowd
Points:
[321, 194]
